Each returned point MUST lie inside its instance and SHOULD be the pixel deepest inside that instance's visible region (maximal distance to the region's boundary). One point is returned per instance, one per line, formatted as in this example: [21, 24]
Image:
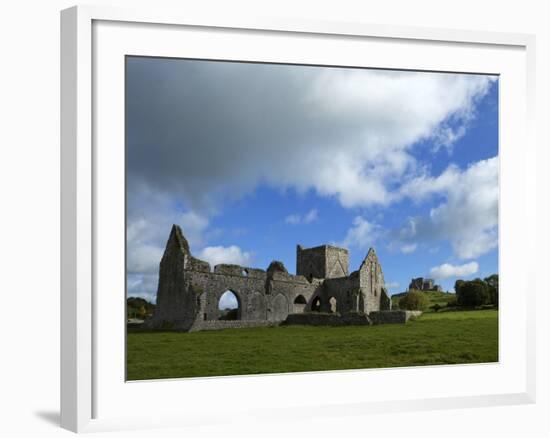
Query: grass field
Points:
[434, 338]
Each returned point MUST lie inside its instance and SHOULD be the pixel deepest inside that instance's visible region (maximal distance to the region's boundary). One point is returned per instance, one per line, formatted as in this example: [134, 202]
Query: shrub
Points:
[435, 307]
[452, 302]
[414, 300]
[473, 293]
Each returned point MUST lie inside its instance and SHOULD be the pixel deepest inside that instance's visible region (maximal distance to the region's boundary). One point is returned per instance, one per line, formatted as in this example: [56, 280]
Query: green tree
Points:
[492, 283]
[414, 300]
[473, 293]
[139, 308]
[142, 312]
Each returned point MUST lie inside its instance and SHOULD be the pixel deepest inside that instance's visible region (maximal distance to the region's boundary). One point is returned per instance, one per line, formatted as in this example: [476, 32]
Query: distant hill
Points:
[441, 298]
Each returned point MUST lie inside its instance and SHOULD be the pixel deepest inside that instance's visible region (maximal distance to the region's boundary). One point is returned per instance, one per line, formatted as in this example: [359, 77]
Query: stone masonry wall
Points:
[310, 262]
[324, 319]
[189, 291]
[322, 262]
[371, 281]
[393, 316]
[345, 291]
[221, 325]
[336, 262]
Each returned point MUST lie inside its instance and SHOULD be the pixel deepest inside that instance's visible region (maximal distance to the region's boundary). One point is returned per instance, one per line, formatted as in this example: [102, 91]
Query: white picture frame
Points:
[92, 388]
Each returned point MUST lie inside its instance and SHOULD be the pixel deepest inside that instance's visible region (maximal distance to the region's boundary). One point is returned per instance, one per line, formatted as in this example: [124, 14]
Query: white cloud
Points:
[344, 133]
[392, 285]
[293, 219]
[296, 219]
[408, 249]
[144, 258]
[361, 235]
[216, 255]
[310, 216]
[143, 286]
[146, 234]
[468, 215]
[193, 227]
[447, 270]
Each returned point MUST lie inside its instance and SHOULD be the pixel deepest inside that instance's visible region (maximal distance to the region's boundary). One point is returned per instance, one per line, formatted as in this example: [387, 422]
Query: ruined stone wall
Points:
[284, 289]
[221, 325]
[189, 291]
[385, 300]
[345, 291]
[371, 280]
[310, 262]
[336, 262]
[327, 319]
[260, 296]
[174, 305]
[424, 284]
[322, 262]
[249, 289]
[393, 316]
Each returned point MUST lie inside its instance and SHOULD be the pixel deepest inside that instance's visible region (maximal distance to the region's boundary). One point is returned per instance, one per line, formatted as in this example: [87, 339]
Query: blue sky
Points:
[253, 159]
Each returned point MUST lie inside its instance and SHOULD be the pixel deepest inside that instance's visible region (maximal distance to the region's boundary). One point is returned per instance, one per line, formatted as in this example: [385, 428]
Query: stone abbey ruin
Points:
[323, 291]
[424, 284]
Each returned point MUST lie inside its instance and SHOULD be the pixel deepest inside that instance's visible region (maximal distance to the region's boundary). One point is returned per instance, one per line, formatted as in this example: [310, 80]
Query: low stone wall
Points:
[326, 319]
[160, 324]
[220, 325]
[393, 316]
[308, 318]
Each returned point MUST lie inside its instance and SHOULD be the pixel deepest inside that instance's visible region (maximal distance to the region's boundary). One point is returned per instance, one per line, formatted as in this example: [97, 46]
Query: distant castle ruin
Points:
[424, 284]
[322, 292]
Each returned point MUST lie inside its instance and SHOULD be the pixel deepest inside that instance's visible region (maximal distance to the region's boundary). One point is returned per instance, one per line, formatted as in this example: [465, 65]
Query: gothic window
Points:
[332, 304]
[229, 306]
[316, 305]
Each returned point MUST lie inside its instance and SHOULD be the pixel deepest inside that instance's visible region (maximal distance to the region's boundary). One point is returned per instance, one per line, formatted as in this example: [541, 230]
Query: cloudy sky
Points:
[252, 159]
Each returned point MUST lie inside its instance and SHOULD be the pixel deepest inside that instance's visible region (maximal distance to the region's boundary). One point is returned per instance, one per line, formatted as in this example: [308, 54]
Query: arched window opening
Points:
[332, 305]
[229, 306]
[300, 304]
[316, 305]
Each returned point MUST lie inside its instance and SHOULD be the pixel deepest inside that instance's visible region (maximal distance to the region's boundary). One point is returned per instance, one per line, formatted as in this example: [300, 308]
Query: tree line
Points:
[477, 292]
[469, 294]
[138, 308]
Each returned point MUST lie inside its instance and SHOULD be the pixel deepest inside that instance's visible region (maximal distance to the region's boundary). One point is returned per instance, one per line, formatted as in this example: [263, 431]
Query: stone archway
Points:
[300, 304]
[279, 308]
[256, 309]
[316, 304]
[229, 306]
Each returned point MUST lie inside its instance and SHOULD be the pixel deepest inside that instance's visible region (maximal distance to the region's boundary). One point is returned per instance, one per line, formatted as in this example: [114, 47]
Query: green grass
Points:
[441, 298]
[432, 339]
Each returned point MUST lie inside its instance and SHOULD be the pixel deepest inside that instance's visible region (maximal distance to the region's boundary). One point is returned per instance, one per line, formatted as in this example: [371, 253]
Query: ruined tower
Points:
[323, 261]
